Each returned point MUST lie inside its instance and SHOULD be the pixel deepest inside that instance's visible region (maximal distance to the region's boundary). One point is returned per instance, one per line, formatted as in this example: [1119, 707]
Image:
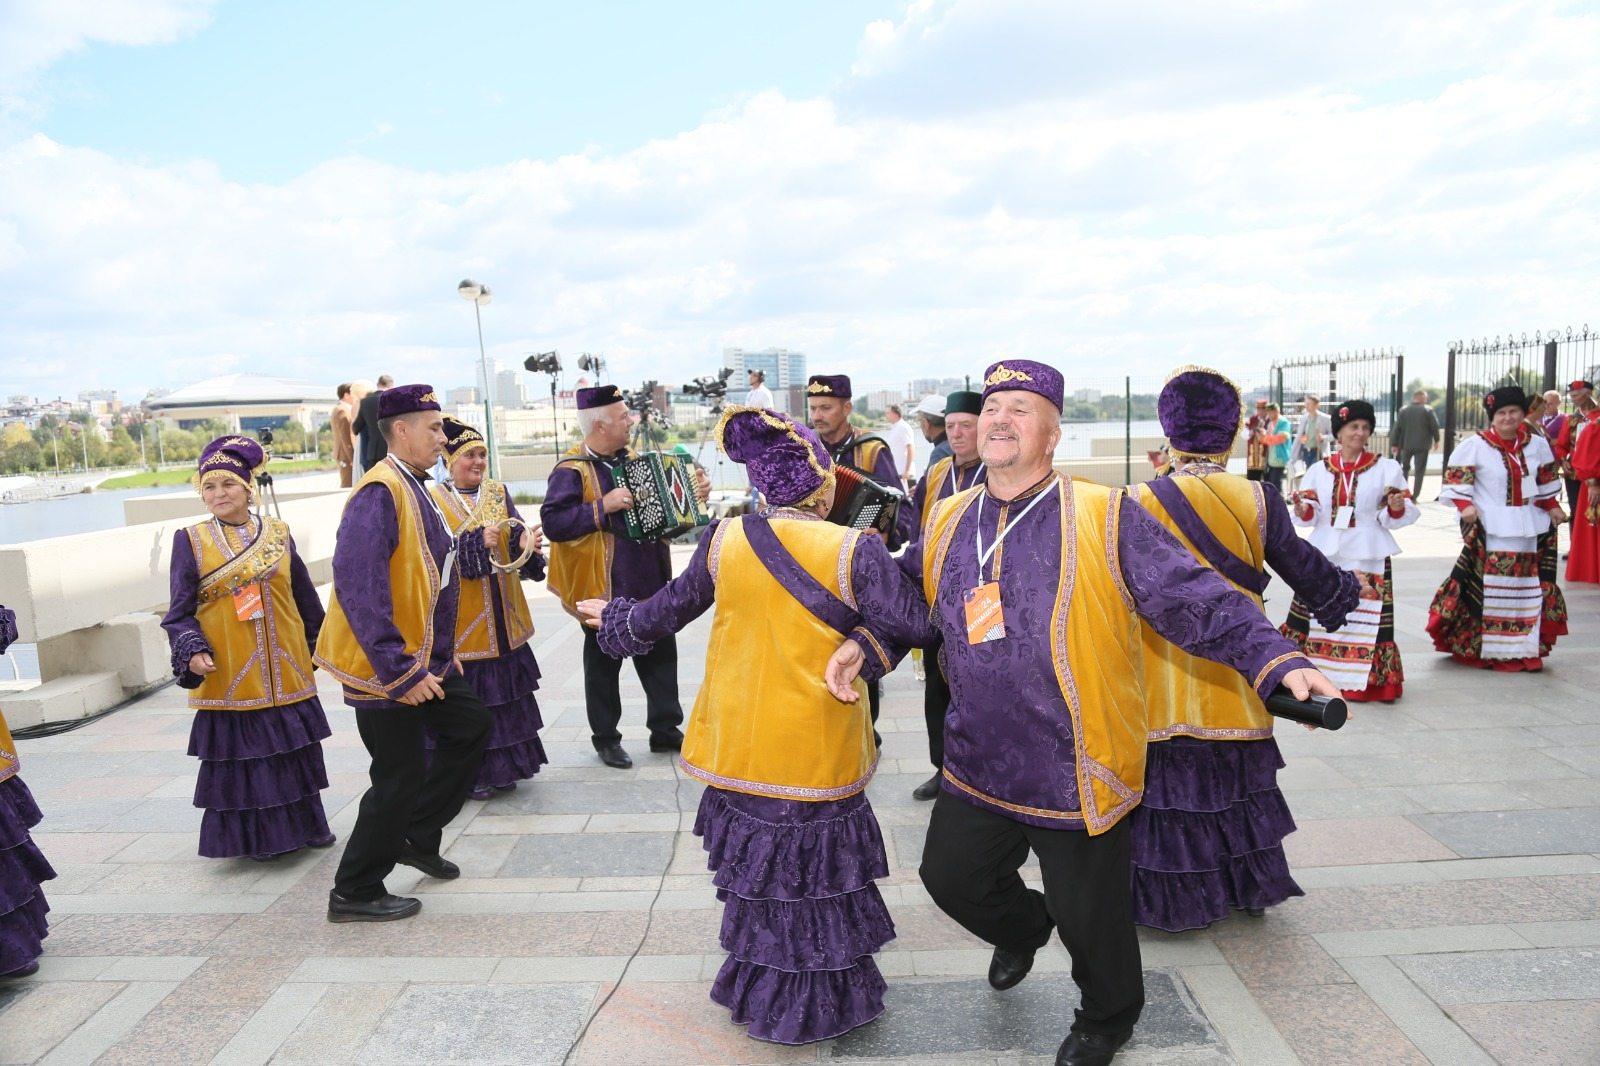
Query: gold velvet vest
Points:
[765, 722]
[935, 477]
[1186, 694]
[414, 591]
[581, 569]
[10, 763]
[476, 635]
[260, 663]
[1095, 645]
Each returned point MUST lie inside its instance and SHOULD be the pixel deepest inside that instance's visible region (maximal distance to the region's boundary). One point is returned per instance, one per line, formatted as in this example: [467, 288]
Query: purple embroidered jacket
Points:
[1009, 731]
[639, 568]
[369, 533]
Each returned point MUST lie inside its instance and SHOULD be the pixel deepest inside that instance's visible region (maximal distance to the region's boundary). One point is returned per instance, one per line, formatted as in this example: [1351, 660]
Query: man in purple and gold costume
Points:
[592, 557]
[956, 472]
[1208, 836]
[829, 404]
[792, 839]
[390, 640]
[23, 867]
[1040, 587]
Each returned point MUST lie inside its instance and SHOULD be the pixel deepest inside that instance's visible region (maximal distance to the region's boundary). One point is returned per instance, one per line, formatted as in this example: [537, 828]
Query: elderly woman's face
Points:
[225, 498]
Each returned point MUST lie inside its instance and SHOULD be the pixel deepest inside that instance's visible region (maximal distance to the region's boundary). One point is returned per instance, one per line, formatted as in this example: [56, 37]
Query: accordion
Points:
[664, 505]
[862, 503]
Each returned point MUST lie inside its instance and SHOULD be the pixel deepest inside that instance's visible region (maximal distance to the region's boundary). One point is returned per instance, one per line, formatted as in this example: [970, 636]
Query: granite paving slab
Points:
[621, 796]
[479, 1025]
[1538, 832]
[1561, 1033]
[1506, 976]
[675, 1024]
[938, 1017]
[590, 855]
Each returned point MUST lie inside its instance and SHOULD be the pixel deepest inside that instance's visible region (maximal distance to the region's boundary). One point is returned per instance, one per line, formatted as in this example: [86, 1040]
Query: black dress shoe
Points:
[1008, 968]
[386, 908]
[1256, 912]
[613, 756]
[667, 742]
[1090, 1049]
[432, 865]
[928, 789]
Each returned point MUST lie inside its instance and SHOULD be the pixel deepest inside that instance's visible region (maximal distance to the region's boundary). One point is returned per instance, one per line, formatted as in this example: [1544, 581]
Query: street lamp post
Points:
[480, 295]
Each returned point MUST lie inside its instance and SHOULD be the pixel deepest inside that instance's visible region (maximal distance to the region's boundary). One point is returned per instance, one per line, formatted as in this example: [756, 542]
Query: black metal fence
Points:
[1376, 375]
[1538, 363]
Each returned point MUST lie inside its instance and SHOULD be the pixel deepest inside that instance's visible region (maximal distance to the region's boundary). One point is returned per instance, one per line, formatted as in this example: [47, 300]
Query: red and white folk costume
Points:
[1351, 507]
[1500, 606]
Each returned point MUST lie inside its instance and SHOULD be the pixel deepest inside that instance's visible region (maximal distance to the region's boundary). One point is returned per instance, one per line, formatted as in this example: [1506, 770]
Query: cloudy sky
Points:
[899, 189]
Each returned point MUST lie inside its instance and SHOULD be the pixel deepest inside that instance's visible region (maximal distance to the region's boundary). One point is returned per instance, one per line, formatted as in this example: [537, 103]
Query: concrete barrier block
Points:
[132, 645]
[64, 699]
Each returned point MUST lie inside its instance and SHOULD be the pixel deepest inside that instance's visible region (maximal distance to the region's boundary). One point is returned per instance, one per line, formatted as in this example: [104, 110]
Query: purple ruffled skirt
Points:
[506, 685]
[1209, 835]
[801, 916]
[261, 779]
[23, 869]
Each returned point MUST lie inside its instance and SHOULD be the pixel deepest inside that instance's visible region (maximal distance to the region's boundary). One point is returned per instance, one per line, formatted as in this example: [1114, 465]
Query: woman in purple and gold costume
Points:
[1208, 837]
[793, 841]
[243, 619]
[23, 867]
[493, 624]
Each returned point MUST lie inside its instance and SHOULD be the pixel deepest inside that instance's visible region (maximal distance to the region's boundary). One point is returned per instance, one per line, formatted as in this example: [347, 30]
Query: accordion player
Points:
[664, 503]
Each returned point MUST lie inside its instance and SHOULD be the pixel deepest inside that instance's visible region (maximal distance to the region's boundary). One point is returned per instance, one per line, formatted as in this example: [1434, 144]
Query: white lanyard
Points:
[985, 556]
[450, 555]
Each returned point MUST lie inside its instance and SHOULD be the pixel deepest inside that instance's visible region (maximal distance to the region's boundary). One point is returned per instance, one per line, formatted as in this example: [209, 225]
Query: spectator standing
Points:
[1275, 435]
[344, 441]
[930, 419]
[1255, 452]
[900, 442]
[365, 425]
[1415, 434]
[759, 395]
[1312, 443]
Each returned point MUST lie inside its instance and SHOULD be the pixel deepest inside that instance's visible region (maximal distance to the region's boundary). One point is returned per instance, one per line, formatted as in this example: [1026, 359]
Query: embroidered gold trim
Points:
[1279, 661]
[1002, 374]
[1037, 812]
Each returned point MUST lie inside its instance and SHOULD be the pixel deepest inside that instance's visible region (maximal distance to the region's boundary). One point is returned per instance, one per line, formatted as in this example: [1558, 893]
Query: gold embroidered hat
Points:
[234, 457]
[1027, 375]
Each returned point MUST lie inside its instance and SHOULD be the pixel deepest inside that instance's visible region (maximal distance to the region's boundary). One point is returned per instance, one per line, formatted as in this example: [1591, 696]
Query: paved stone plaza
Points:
[1449, 846]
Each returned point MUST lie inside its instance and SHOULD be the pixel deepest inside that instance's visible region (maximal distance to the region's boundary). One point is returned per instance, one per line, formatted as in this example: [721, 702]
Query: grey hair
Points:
[590, 417]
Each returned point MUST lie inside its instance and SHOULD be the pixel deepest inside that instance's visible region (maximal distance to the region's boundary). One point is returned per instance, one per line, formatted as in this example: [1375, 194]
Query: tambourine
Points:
[520, 561]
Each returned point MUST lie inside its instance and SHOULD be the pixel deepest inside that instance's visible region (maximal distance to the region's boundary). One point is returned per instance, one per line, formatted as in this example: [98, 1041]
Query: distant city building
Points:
[464, 394]
[100, 402]
[248, 402]
[1086, 395]
[782, 367]
[509, 391]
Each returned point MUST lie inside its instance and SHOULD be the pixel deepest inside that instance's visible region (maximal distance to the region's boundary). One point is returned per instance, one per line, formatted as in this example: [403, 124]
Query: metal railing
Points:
[1537, 363]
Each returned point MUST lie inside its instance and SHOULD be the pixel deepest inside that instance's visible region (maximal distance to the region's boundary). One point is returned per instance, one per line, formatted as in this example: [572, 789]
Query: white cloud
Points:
[1303, 203]
[36, 33]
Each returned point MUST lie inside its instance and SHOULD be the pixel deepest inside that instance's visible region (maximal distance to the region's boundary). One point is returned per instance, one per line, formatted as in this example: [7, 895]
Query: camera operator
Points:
[592, 557]
[760, 395]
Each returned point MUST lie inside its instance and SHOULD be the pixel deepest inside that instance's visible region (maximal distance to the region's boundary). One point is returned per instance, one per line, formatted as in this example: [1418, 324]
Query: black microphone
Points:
[1324, 712]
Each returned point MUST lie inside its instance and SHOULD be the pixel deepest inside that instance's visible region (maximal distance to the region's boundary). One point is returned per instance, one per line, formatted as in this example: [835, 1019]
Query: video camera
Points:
[712, 388]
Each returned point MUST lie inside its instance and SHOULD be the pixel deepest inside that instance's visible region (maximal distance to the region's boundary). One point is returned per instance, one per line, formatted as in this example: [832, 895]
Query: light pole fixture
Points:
[480, 295]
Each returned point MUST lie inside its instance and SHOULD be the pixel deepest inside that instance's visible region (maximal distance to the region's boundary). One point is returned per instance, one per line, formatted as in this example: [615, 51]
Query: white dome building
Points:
[248, 401]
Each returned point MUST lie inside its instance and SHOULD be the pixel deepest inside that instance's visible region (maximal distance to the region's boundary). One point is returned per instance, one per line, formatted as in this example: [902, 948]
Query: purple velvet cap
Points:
[829, 386]
[1505, 396]
[1024, 374]
[1352, 411]
[459, 436]
[406, 399]
[237, 457]
[785, 460]
[1200, 411]
[599, 396]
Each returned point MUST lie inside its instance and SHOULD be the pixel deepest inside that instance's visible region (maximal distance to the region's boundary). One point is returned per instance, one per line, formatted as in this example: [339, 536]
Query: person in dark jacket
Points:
[365, 426]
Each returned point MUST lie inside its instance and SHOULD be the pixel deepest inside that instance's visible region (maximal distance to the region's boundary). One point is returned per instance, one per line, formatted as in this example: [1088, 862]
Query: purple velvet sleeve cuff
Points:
[472, 558]
[1272, 675]
[534, 568]
[1340, 601]
[616, 634]
[8, 628]
[881, 660]
[186, 646]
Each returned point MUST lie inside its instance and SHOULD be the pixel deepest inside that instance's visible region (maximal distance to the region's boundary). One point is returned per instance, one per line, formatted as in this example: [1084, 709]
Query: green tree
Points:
[123, 450]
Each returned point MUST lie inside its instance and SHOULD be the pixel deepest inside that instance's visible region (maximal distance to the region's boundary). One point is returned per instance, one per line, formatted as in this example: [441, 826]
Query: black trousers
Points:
[969, 867]
[1273, 475]
[602, 691]
[1255, 475]
[935, 704]
[406, 801]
